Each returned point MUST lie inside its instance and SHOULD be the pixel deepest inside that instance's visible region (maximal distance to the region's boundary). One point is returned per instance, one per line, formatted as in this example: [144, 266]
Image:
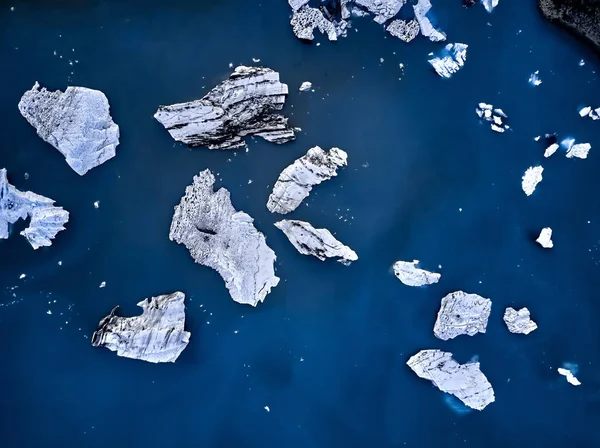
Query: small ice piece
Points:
[580, 151]
[102, 285]
[585, 111]
[545, 238]
[489, 5]
[570, 377]
[551, 149]
[519, 321]
[567, 143]
[410, 275]
[97, 204]
[451, 59]
[534, 78]
[267, 409]
[306, 85]
[531, 178]
[422, 9]
[22, 276]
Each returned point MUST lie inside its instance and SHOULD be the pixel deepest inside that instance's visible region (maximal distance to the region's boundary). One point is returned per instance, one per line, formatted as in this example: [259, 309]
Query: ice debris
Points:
[545, 238]
[495, 117]
[519, 321]
[408, 273]
[531, 178]
[462, 314]
[76, 122]
[46, 219]
[465, 381]
[317, 242]
[239, 106]
[451, 59]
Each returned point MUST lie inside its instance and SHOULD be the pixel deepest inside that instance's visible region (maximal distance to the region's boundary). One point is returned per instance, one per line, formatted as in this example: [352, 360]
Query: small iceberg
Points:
[451, 59]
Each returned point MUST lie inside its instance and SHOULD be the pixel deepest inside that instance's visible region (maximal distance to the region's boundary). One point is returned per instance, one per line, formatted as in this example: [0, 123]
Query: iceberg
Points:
[452, 58]
[531, 178]
[465, 381]
[46, 219]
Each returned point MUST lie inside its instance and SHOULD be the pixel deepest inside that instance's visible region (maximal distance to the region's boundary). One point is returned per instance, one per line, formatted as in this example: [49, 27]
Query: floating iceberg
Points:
[451, 59]
[531, 178]
[545, 238]
[519, 321]
[465, 381]
[495, 117]
[46, 219]
[410, 275]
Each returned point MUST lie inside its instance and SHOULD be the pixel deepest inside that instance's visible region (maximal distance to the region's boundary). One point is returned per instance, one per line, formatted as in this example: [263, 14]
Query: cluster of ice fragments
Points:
[317, 242]
[587, 111]
[531, 178]
[220, 237]
[495, 117]
[296, 181]
[545, 238]
[157, 335]
[519, 321]
[451, 59]
[465, 381]
[462, 314]
[76, 122]
[333, 19]
[239, 106]
[46, 219]
[409, 274]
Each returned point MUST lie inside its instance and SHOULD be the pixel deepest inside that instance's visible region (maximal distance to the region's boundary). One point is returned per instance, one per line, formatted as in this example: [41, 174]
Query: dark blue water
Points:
[327, 350]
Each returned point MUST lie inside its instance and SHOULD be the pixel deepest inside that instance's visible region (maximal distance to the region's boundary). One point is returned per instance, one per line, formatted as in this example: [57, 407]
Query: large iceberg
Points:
[296, 181]
[46, 219]
[451, 59]
[220, 237]
[76, 122]
[239, 106]
[465, 381]
[157, 335]
[462, 314]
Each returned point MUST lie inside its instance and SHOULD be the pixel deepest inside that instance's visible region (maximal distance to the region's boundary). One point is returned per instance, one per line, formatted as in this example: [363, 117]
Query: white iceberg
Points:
[452, 58]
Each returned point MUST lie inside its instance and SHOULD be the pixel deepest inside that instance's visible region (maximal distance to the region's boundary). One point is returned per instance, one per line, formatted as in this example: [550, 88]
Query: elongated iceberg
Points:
[76, 122]
[239, 106]
[296, 181]
[409, 274]
[451, 59]
[465, 381]
[317, 242]
[225, 240]
[157, 335]
[462, 314]
[46, 219]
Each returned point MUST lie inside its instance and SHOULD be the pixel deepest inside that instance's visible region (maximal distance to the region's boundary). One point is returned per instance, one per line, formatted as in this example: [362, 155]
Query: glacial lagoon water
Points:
[326, 351]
